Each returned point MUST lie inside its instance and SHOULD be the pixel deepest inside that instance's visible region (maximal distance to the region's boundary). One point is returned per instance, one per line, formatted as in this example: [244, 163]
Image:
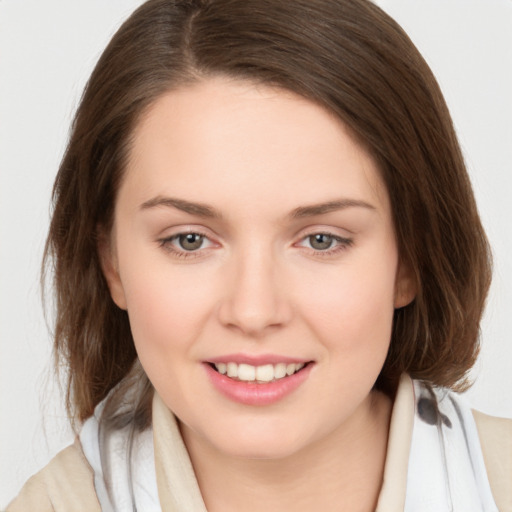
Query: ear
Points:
[405, 285]
[109, 266]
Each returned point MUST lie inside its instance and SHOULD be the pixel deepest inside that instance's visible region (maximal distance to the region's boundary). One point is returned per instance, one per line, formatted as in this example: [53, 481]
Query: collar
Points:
[178, 489]
[394, 482]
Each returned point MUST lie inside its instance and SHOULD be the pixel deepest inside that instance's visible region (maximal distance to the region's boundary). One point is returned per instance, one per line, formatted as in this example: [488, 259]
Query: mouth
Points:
[266, 381]
[261, 374]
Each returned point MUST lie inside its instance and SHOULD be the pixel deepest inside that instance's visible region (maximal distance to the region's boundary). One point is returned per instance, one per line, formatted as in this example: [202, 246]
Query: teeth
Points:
[232, 370]
[222, 368]
[279, 370]
[264, 373]
[246, 372]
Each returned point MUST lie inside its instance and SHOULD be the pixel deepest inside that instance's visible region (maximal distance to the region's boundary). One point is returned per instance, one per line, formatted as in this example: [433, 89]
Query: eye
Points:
[183, 244]
[321, 241]
[190, 241]
[325, 243]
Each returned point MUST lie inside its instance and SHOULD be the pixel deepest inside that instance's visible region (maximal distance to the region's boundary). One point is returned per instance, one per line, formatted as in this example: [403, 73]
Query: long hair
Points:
[345, 55]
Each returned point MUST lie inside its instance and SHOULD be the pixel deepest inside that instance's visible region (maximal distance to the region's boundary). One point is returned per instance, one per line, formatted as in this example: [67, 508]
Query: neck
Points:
[343, 471]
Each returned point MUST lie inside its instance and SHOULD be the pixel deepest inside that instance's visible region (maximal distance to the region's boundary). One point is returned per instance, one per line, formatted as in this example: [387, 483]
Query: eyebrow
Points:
[204, 210]
[328, 207]
[199, 209]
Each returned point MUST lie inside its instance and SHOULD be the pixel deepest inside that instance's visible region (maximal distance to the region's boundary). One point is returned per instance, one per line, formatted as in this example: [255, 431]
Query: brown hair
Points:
[346, 55]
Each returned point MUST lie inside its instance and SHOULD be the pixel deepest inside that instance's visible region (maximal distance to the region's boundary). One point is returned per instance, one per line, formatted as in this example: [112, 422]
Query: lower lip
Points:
[253, 393]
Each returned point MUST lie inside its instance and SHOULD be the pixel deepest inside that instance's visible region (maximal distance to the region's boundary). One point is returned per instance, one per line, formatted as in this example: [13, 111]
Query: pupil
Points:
[191, 241]
[320, 241]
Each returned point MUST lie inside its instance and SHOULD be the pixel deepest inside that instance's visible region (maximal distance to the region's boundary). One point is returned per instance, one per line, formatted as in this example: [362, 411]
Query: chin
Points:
[263, 449]
[265, 440]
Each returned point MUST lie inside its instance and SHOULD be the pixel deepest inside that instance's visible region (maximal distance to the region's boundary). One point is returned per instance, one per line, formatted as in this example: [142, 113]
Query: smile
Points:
[261, 374]
[257, 384]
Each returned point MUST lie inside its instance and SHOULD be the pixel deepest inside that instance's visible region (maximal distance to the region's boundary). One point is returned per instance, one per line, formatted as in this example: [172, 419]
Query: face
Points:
[254, 251]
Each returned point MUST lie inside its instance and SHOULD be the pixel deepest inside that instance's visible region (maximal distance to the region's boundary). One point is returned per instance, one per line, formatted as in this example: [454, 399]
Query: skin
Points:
[258, 157]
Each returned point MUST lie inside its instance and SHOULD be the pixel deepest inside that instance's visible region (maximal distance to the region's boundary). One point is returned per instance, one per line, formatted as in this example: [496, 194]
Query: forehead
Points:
[219, 139]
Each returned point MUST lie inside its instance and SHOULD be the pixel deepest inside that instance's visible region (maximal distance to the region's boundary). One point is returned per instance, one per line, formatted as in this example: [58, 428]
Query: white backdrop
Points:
[47, 50]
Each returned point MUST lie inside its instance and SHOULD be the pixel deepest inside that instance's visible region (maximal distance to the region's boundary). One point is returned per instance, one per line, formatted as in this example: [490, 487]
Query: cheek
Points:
[166, 309]
[352, 311]
[166, 315]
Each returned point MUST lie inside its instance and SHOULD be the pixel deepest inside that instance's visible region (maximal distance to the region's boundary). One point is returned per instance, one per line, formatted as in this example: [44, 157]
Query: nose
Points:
[255, 301]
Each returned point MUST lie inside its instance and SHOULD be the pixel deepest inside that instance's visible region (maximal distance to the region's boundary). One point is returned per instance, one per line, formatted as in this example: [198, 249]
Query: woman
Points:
[263, 229]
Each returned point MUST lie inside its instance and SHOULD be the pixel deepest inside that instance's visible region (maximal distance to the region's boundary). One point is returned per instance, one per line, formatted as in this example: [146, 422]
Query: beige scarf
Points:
[70, 484]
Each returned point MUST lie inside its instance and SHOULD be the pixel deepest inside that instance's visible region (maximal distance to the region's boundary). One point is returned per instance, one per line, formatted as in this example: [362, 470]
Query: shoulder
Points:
[495, 436]
[488, 439]
[65, 484]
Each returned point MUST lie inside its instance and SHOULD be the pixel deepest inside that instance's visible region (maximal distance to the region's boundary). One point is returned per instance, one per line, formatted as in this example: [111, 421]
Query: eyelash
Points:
[166, 244]
[341, 244]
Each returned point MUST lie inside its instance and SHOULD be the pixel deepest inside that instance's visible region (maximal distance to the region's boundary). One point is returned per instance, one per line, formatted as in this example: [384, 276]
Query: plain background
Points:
[48, 49]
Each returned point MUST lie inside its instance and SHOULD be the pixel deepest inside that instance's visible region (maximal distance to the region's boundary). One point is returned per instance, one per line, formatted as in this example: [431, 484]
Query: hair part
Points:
[349, 57]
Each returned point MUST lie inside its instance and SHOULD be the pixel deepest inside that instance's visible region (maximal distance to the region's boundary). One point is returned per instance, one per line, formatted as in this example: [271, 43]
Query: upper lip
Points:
[256, 360]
